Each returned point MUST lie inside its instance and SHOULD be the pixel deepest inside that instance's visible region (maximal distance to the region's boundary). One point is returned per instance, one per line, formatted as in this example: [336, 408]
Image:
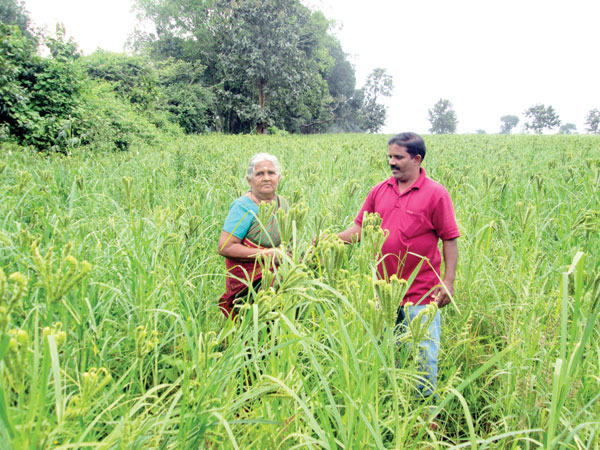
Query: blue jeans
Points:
[429, 346]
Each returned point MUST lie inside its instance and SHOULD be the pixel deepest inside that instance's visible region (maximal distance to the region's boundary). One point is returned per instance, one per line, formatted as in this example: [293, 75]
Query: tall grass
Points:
[111, 336]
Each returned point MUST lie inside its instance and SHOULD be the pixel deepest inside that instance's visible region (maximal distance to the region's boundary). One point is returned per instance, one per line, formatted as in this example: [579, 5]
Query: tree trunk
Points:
[262, 99]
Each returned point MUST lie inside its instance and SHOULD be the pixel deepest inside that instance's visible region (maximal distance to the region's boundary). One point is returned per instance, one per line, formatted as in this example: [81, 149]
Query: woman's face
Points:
[264, 181]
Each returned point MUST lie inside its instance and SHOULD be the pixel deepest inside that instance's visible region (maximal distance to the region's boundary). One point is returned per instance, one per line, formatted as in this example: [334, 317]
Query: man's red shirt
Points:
[416, 220]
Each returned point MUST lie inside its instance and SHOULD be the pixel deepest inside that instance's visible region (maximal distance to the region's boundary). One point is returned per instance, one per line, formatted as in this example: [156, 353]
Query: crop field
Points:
[111, 337]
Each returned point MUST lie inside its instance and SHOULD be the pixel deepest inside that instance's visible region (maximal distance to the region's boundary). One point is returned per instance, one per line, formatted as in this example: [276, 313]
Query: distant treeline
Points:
[250, 66]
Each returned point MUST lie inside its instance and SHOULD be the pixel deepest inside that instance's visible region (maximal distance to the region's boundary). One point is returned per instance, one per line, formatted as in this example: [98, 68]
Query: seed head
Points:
[21, 282]
[22, 337]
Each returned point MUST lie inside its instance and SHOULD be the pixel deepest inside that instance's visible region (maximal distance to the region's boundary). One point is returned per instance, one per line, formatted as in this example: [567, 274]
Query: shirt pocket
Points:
[414, 224]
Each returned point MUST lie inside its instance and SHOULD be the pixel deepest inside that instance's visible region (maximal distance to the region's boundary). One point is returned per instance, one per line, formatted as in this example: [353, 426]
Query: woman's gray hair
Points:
[258, 158]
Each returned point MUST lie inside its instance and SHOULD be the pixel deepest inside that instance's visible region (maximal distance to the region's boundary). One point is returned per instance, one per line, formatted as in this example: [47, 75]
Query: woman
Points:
[244, 241]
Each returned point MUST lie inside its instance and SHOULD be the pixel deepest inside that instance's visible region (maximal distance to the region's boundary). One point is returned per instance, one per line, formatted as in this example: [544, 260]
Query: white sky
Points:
[488, 57]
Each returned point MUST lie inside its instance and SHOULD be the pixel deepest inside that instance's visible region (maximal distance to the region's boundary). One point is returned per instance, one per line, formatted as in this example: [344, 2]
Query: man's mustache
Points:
[394, 167]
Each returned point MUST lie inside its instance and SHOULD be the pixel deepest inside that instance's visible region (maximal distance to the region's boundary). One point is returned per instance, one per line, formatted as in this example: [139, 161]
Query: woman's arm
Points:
[231, 246]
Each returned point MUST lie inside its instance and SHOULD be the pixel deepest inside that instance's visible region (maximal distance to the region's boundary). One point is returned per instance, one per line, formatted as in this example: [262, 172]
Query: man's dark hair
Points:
[413, 143]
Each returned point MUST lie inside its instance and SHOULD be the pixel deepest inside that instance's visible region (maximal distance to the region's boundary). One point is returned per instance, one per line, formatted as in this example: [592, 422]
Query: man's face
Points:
[404, 167]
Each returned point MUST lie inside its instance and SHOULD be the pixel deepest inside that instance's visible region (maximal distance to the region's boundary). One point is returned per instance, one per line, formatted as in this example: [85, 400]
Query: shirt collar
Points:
[416, 185]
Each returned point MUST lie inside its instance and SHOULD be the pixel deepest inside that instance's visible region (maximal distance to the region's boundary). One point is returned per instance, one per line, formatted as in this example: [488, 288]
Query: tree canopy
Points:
[592, 121]
[443, 118]
[268, 63]
[379, 84]
[60, 100]
[568, 128]
[541, 118]
[232, 66]
[38, 96]
[13, 12]
[508, 123]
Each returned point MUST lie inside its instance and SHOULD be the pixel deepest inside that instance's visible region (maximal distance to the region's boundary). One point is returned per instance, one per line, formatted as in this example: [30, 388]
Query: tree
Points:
[443, 118]
[341, 82]
[39, 97]
[541, 117]
[263, 54]
[266, 62]
[314, 109]
[132, 77]
[379, 84]
[508, 123]
[181, 94]
[592, 121]
[480, 131]
[13, 12]
[568, 128]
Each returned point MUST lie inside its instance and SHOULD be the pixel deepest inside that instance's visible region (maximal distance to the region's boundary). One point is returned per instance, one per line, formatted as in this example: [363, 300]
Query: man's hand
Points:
[442, 295]
[351, 235]
[317, 239]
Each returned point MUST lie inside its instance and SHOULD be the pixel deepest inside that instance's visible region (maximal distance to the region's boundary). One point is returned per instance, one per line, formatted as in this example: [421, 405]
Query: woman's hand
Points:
[269, 254]
[231, 246]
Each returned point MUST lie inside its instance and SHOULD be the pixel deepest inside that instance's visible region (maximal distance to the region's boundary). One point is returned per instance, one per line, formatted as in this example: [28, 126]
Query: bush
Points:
[111, 123]
[169, 89]
[183, 96]
[50, 103]
[132, 77]
[38, 96]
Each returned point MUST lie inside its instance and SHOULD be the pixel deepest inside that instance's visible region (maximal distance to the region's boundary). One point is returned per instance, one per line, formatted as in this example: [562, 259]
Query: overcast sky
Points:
[489, 58]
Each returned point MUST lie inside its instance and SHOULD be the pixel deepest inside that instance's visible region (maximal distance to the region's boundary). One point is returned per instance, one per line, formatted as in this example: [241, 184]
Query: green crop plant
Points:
[12, 289]
[313, 361]
[69, 272]
[291, 222]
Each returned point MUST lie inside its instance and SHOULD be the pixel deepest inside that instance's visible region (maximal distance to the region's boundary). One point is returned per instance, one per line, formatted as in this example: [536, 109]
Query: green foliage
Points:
[349, 114]
[568, 128]
[379, 84]
[49, 103]
[592, 121]
[14, 12]
[112, 123]
[442, 118]
[349, 102]
[132, 77]
[165, 88]
[262, 53]
[541, 118]
[258, 64]
[182, 96]
[15, 52]
[39, 96]
[133, 352]
[508, 123]
[276, 131]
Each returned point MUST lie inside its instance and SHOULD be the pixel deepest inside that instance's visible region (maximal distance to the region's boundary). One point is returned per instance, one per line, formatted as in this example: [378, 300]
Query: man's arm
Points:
[350, 235]
[450, 254]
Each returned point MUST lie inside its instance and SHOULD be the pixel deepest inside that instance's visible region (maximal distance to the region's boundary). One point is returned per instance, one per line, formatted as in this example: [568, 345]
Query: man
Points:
[417, 211]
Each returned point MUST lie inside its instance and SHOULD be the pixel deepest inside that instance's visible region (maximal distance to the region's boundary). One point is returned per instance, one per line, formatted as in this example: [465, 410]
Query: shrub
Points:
[38, 96]
[183, 97]
[131, 77]
[111, 123]
[165, 89]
